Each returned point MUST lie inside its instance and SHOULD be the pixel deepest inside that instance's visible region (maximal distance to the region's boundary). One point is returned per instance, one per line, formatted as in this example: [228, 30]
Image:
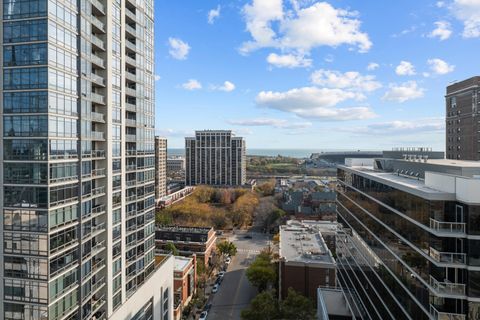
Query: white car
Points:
[215, 288]
[228, 260]
[203, 315]
[221, 274]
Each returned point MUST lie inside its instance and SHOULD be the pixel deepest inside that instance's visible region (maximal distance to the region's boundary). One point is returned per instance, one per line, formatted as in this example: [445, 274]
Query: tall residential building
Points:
[410, 243]
[215, 157]
[462, 122]
[78, 175]
[160, 167]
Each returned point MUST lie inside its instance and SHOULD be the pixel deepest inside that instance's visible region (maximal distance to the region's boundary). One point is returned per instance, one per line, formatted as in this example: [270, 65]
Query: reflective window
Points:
[25, 31]
[25, 149]
[25, 126]
[25, 102]
[25, 197]
[25, 54]
[25, 78]
[29, 173]
[20, 9]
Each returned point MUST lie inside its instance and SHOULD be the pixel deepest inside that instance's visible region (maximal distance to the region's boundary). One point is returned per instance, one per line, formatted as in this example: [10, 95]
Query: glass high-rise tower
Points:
[78, 169]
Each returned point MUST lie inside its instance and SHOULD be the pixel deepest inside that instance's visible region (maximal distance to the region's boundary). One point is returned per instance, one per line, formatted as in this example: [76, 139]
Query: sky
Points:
[293, 74]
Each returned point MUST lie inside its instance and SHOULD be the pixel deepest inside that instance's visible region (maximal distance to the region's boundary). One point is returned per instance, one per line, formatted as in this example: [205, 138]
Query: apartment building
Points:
[78, 175]
[160, 168]
[462, 120]
[215, 157]
[410, 238]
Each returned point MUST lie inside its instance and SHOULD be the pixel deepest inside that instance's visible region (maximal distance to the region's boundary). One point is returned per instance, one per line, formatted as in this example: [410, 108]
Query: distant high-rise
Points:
[77, 170]
[215, 157]
[462, 122]
[160, 167]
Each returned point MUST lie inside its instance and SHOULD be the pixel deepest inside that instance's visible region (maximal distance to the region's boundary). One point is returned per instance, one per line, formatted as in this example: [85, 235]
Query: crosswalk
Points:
[248, 251]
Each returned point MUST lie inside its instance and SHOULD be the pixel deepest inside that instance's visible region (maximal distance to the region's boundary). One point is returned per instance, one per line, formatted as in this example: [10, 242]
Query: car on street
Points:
[219, 280]
[247, 236]
[207, 307]
[228, 260]
[221, 274]
[203, 315]
[215, 288]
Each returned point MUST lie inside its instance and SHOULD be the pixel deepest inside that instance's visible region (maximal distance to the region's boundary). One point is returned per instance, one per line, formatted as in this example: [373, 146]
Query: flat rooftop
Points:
[181, 263]
[184, 229]
[452, 163]
[303, 244]
[405, 183]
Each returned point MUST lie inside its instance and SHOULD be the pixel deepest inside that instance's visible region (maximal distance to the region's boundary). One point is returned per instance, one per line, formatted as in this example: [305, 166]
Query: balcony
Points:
[130, 76]
[131, 122]
[98, 172]
[130, 14]
[99, 25]
[130, 45]
[131, 61]
[131, 198]
[131, 137]
[131, 183]
[98, 153]
[97, 98]
[98, 5]
[95, 78]
[439, 315]
[447, 287]
[97, 42]
[95, 135]
[96, 60]
[130, 107]
[454, 228]
[98, 228]
[96, 117]
[447, 257]
[130, 30]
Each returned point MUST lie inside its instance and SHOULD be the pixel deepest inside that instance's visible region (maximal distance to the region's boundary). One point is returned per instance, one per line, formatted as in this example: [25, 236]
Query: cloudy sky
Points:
[312, 74]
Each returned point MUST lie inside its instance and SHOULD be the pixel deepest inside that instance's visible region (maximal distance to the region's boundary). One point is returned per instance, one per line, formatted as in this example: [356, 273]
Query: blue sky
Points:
[340, 74]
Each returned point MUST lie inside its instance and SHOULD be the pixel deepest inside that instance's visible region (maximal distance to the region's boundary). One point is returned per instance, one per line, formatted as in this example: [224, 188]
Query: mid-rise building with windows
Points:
[462, 120]
[215, 157]
[160, 167]
[77, 170]
[409, 245]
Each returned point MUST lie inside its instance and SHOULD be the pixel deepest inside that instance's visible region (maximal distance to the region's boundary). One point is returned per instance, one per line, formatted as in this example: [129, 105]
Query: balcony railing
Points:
[130, 107]
[131, 137]
[439, 315]
[97, 4]
[130, 14]
[131, 92]
[447, 227]
[97, 42]
[131, 30]
[98, 153]
[97, 98]
[447, 287]
[97, 61]
[447, 257]
[97, 79]
[97, 23]
[130, 122]
[98, 172]
[97, 117]
[130, 45]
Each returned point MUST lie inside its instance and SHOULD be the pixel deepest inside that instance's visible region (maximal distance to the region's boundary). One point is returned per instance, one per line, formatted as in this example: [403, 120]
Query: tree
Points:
[297, 307]
[263, 307]
[170, 247]
[227, 248]
[261, 273]
[267, 188]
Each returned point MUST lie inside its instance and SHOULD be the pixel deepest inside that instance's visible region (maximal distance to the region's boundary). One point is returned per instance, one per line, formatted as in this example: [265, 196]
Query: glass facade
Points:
[78, 154]
[401, 256]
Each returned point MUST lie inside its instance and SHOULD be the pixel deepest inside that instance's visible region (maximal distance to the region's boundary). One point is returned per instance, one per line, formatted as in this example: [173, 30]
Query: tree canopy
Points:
[262, 273]
[227, 248]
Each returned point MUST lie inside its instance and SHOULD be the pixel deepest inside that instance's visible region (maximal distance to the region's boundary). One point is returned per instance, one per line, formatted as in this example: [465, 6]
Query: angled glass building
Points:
[410, 243]
[78, 175]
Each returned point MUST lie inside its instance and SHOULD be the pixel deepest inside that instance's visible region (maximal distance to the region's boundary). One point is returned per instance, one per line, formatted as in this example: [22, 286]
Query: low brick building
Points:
[306, 262]
[184, 283]
[188, 241]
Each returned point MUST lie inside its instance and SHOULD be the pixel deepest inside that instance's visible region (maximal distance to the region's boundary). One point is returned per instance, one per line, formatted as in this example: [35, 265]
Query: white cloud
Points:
[404, 92]
[288, 61]
[157, 77]
[351, 80]
[372, 66]
[315, 103]
[439, 66]
[405, 68]
[303, 27]
[178, 49]
[191, 85]
[269, 122]
[397, 127]
[227, 87]
[440, 4]
[174, 132]
[442, 31]
[468, 11]
[213, 15]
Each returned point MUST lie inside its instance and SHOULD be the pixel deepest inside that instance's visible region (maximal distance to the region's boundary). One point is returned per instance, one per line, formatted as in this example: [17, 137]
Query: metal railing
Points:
[447, 287]
[449, 227]
[97, 60]
[448, 257]
[97, 98]
[97, 41]
[439, 315]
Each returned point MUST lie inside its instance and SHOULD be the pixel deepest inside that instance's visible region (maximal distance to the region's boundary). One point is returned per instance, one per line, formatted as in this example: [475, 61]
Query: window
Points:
[20, 9]
[29, 173]
[26, 54]
[25, 126]
[25, 102]
[25, 31]
[25, 78]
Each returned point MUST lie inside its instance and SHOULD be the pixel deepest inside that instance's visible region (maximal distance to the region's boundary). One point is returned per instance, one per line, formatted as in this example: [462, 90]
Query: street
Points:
[236, 292]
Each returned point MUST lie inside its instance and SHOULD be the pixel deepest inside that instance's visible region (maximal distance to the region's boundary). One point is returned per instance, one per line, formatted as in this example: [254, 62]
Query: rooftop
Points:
[181, 263]
[304, 243]
[200, 230]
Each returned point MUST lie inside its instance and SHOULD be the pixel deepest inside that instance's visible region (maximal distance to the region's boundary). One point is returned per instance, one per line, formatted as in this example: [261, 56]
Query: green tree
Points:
[227, 248]
[262, 271]
[170, 247]
[297, 307]
[263, 307]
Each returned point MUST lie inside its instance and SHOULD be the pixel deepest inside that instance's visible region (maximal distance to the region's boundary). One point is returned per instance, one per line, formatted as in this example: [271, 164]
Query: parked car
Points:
[221, 274]
[219, 280]
[203, 315]
[247, 236]
[215, 288]
[228, 260]
[207, 307]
